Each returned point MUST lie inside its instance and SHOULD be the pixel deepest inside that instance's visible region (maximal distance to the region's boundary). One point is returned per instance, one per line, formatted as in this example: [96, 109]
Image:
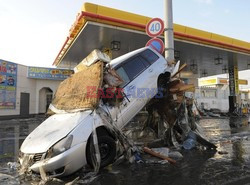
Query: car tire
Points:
[107, 148]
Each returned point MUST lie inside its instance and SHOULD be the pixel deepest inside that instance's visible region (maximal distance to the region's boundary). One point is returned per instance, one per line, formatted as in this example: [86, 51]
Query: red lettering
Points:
[91, 92]
[101, 94]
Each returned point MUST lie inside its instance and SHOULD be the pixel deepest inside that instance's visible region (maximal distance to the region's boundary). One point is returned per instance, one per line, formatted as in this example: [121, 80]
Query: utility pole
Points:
[168, 31]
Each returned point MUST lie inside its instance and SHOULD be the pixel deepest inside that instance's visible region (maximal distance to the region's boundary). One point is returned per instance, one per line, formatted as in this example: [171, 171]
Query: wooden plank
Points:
[180, 69]
[153, 153]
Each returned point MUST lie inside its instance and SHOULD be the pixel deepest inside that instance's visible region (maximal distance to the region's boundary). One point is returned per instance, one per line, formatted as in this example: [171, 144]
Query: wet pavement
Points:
[231, 165]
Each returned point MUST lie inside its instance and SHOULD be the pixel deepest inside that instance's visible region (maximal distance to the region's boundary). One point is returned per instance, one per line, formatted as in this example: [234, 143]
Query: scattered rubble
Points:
[222, 152]
[13, 166]
[159, 155]
[8, 179]
[174, 113]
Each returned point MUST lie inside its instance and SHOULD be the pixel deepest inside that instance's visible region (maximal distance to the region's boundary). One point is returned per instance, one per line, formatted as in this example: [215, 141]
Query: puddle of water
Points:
[197, 167]
[231, 136]
[12, 134]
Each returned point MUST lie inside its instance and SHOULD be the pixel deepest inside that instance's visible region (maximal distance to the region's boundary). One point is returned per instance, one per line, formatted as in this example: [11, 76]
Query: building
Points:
[119, 32]
[213, 92]
[25, 90]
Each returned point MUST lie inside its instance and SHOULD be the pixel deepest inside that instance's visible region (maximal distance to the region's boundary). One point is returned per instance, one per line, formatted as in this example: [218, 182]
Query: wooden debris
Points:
[171, 106]
[180, 69]
[156, 154]
[181, 87]
[222, 152]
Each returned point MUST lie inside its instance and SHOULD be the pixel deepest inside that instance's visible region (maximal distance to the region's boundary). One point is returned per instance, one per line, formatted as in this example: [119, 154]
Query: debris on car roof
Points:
[72, 94]
[95, 56]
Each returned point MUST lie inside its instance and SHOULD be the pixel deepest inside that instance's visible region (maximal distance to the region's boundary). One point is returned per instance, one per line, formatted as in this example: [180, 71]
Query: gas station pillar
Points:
[233, 82]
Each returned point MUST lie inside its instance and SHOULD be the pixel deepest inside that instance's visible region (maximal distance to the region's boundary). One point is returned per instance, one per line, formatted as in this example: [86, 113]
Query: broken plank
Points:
[180, 69]
[153, 153]
[182, 87]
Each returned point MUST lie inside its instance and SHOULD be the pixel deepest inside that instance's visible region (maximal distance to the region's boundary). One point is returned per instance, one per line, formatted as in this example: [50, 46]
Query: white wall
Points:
[222, 104]
[23, 85]
[219, 102]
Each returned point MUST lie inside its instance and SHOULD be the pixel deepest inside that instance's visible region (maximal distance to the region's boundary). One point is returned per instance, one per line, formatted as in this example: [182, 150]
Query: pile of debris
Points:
[174, 114]
[171, 121]
[83, 90]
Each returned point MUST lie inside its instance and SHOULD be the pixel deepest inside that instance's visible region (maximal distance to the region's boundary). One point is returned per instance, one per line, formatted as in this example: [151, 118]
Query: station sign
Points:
[224, 81]
[219, 81]
[155, 27]
[156, 44]
[207, 82]
[48, 73]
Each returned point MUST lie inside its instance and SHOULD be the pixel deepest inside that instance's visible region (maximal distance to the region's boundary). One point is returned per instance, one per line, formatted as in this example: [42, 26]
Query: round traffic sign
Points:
[155, 27]
[156, 44]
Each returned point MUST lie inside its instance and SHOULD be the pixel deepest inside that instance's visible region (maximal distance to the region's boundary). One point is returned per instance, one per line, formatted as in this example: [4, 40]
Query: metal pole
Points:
[169, 33]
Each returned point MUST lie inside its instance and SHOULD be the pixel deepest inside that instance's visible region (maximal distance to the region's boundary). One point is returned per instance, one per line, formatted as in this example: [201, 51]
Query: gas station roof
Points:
[97, 26]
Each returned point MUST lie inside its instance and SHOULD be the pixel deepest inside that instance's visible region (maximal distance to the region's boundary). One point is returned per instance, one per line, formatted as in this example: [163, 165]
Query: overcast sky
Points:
[33, 31]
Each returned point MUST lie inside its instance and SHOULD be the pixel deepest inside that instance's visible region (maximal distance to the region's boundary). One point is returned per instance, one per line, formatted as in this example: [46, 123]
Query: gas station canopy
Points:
[98, 26]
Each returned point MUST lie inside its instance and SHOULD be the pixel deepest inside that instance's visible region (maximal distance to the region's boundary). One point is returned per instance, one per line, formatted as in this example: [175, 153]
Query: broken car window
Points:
[121, 72]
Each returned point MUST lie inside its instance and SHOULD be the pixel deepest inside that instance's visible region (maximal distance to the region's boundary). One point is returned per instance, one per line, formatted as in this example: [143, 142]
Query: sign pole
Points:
[168, 31]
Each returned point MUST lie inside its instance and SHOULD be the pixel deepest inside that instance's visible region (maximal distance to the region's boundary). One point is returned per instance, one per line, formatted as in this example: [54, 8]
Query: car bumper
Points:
[64, 163]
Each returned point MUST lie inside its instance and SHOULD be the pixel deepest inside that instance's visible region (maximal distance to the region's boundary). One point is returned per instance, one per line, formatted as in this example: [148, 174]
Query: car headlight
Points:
[62, 145]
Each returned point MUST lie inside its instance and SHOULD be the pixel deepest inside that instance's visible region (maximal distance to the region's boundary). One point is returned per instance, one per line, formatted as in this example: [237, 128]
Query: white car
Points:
[60, 145]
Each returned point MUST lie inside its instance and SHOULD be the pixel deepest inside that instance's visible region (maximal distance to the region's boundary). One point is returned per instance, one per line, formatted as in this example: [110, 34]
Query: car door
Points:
[129, 71]
[139, 74]
[151, 73]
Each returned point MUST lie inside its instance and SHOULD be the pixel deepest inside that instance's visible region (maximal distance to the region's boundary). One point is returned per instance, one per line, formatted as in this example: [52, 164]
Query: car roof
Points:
[115, 62]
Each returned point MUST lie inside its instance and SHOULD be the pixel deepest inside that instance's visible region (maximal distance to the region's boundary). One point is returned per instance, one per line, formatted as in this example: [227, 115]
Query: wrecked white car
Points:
[62, 144]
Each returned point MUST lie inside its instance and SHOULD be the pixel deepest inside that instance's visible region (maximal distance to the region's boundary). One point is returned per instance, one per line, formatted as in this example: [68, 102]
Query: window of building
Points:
[209, 93]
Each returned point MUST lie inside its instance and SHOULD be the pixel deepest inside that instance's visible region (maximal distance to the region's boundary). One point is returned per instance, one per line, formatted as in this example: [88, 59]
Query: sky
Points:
[32, 32]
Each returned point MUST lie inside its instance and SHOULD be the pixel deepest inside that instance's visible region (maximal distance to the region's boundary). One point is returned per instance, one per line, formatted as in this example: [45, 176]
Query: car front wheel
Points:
[107, 148]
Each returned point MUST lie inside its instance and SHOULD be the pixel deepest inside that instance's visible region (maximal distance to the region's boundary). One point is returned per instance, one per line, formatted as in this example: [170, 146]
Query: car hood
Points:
[51, 131]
